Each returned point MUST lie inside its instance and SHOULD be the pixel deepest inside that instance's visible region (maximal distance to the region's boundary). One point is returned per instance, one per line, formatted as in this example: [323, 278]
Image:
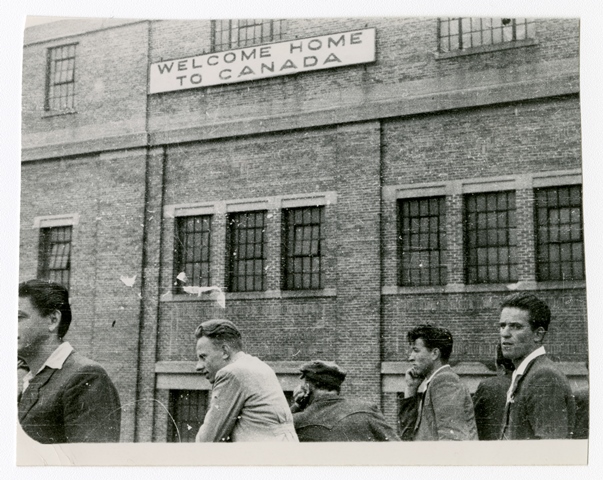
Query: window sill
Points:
[268, 294]
[56, 113]
[486, 287]
[487, 48]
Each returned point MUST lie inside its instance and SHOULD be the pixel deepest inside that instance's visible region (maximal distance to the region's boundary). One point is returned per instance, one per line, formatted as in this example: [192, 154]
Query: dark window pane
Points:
[421, 244]
[54, 262]
[559, 235]
[229, 34]
[302, 254]
[491, 255]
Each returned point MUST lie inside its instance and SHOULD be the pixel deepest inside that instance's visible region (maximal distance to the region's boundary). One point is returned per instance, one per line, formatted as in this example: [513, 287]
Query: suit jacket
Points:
[338, 419]
[446, 414]
[489, 406]
[247, 405]
[73, 404]
[582, 414]
[542, 405]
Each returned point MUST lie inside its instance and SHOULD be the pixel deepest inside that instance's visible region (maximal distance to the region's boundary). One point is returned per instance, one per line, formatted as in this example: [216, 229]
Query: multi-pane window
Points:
[422, 241]
[465, 33]
[54, 261]
[490, 238]
[303, 235]
[246, 251]
[60, 79]
[229, 34]
[191, 249]
[187, 411]
[559, 240]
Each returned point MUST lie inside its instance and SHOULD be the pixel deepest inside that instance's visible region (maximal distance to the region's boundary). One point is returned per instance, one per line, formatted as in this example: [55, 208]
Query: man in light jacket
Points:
[436, 405]
[247, 401]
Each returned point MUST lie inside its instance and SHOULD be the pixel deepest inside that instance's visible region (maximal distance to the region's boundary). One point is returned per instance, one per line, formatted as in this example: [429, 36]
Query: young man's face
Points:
[517, 339]
[211, 358]
[422, 358]
[34, 329]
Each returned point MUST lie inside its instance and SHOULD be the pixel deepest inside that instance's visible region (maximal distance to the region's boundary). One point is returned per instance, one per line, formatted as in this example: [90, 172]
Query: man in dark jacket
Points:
[540, 404]
[320, 414]
[64, 397]
[490, 398]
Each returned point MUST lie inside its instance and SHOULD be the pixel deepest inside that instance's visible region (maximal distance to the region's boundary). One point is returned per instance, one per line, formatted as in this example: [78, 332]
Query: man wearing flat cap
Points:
[247, 401]
[322, 415]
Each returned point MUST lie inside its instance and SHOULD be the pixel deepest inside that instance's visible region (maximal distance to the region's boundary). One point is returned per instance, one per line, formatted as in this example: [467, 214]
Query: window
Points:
[559, 240]
[60, 79]
[191, 250]
[229, 34]
[302, 248]
[465, 33]
[54, 262]
[246, 251]
[490, 238]
[187, 409]
[422, 241]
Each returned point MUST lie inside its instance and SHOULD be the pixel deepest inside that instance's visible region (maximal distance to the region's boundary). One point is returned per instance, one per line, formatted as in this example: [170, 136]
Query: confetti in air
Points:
[128, 281]
[182, 277]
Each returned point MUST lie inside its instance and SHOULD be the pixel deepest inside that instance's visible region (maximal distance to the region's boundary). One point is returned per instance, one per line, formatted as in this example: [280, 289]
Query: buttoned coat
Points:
[338, 419]
[73, 404]
[542, 405]
[447, 412]
[247, 405]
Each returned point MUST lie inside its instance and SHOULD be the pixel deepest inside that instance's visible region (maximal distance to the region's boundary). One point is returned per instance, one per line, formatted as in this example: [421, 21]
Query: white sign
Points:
[263, 61]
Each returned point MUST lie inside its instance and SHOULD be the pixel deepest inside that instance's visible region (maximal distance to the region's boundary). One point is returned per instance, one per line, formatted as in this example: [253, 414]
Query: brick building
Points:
[421, 180]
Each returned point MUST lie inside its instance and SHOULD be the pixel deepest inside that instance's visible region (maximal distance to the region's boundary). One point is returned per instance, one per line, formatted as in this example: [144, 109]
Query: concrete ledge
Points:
[181, 375]
[263, 295]
[104, 144]
[489, 287]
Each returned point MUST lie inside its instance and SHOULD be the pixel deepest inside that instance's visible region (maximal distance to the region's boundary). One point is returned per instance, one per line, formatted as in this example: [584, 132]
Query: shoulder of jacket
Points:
[81, 363]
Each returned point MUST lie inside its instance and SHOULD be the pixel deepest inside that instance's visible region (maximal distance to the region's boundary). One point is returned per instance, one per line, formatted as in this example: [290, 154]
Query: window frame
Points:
[45, 254]
[174, 407]
[488, 245]
[287, 244]
[540, 242]
[242, 24]
[529, 38]
[442, 250]
[232, 232]
[180, 251]
[50, 106]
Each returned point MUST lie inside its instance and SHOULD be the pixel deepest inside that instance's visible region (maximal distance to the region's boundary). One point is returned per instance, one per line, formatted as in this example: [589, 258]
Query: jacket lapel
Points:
[31, 395]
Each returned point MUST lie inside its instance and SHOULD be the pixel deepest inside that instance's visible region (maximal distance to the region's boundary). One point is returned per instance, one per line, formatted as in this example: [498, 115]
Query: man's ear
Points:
[539, 334]
[54, 320]
[436, 353]
[226, 351]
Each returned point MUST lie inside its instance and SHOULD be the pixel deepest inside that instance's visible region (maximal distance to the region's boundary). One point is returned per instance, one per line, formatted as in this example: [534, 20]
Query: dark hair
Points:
[433, 337]
[221, 331]
[48, 297]
[540, 313]
[502, 361]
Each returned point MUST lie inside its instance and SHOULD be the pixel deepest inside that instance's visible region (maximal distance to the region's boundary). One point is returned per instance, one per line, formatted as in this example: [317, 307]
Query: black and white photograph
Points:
[365, 230]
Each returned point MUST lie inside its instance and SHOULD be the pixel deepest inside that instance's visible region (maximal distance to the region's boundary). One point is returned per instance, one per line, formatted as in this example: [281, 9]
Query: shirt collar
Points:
[519, 371]
[526, 361]
[425, 384]
[58, 357]
[55, 360]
